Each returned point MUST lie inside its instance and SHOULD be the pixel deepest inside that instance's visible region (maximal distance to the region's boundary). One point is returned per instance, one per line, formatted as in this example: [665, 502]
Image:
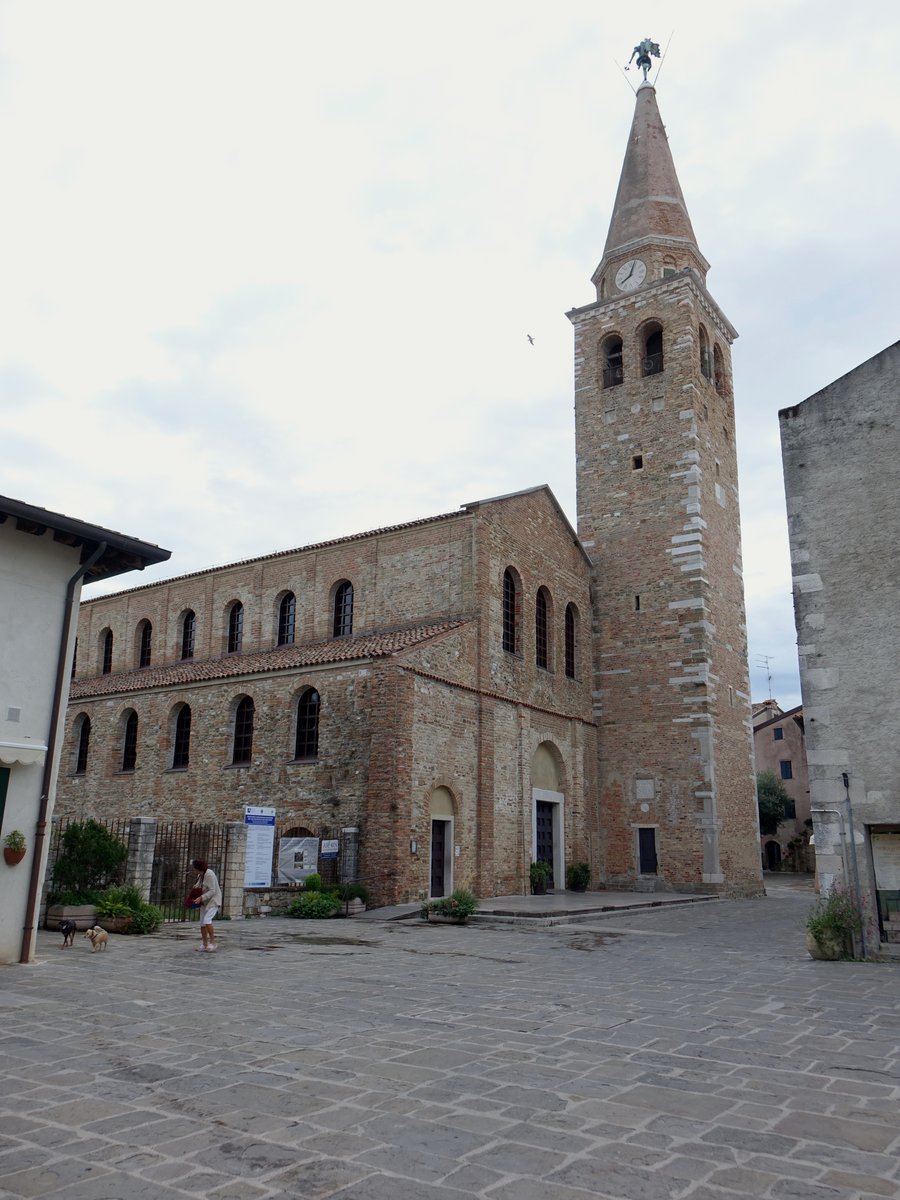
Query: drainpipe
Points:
[60, 693]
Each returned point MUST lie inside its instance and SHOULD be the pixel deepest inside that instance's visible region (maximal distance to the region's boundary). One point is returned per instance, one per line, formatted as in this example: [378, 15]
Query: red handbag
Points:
[192, 899]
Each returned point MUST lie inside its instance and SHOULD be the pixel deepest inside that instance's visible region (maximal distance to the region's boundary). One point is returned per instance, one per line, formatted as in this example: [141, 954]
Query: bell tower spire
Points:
[658, 515]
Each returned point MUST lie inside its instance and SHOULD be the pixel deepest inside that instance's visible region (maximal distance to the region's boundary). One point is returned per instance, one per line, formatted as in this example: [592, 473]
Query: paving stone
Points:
[243, 1156]
[852, 1181]
[837, 1130]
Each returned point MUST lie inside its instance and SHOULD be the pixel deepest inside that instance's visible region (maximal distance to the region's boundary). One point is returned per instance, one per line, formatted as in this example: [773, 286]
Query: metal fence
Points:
[333, 871]
[177, 843]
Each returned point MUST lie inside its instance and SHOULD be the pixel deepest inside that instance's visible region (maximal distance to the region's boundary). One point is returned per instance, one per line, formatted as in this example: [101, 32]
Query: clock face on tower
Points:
[630, 275]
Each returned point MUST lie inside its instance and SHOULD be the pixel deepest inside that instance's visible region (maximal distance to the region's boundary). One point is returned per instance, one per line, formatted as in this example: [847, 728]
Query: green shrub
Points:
[578, 876]
[539, 872]
[314, 906]
[835, 917]
[312, 883]
[146, 919]
[88, 862]
[461, 903]
[355, 891]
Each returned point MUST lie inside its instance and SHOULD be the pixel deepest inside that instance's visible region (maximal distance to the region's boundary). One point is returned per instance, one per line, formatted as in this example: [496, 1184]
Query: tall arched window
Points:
[611, 361]
[235, 628]
[129, 746]
[145, 643]
[181, 751]
[343, 609]
[511, 623]
[84, 745]
[106, 647]
[287, 616]
[652, 345]
[306, 744]
[571, 633]
[188, 633]
[243, 732]
[719, 371]
[74, 657]
[705, 357]
[541, 633]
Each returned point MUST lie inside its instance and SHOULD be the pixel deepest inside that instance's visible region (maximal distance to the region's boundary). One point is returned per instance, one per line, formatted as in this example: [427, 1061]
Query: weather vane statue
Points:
[643, 50]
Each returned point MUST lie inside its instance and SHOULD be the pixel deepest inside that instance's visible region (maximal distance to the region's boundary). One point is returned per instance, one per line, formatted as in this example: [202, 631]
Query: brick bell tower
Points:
[658, 514]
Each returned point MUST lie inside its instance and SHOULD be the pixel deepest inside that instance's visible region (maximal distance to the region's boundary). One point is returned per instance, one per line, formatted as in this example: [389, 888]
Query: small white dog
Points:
[98, 938]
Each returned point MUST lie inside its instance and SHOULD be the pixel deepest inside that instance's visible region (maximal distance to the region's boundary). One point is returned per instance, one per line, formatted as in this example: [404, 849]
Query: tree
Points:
[772, 799]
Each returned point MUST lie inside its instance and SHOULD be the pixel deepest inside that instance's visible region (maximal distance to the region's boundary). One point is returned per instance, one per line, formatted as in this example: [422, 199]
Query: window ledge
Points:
[302, 762]
[233, 766]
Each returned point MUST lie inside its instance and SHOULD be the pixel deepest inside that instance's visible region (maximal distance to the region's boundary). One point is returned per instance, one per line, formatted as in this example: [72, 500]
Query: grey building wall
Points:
[841, 456]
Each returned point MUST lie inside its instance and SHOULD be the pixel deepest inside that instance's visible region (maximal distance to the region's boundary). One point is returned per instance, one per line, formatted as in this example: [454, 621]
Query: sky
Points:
[268, 270]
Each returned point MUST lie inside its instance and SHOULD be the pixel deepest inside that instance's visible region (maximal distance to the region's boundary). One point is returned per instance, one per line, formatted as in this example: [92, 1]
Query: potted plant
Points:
[832, 924]
[540, 873]
[14, 847]
[454, 909]
[354, 898]
[124, 910]
[578, 877]
[88, 862]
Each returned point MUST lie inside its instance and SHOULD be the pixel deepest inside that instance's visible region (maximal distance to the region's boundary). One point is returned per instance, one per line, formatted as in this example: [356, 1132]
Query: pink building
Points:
[779, 746]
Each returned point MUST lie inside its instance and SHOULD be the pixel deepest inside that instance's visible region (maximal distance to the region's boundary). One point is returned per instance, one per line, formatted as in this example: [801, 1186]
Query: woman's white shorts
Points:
[207, 914]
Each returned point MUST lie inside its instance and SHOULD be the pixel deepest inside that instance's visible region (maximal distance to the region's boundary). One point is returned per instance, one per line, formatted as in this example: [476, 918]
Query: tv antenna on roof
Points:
[763, 660]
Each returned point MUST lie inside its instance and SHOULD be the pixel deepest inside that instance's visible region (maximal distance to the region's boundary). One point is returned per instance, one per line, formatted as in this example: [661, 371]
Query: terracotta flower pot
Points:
[13, 856]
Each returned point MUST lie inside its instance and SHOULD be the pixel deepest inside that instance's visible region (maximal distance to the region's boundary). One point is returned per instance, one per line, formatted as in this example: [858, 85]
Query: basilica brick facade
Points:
[476, 690]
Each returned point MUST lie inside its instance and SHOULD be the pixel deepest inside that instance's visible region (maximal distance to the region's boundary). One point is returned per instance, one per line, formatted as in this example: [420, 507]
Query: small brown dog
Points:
[98, 937]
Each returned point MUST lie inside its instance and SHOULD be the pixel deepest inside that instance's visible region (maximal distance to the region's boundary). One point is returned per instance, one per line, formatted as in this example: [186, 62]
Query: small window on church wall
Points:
[242, 750]
[637, 604]
[611, 361]
[343, 610]
[145, 644]
[306, 741]
[84, 742]
[287, 616]
[181, 751]
[571, 642]
[510, 612]
[705, 357]
[637, 462]
[652, 359]
[719, 371]
[188, 633]
[236, 628]
[541, 629]
[106, 649]
[129, 748]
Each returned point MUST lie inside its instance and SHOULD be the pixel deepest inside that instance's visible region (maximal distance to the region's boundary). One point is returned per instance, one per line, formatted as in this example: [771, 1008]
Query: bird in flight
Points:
[530, 338]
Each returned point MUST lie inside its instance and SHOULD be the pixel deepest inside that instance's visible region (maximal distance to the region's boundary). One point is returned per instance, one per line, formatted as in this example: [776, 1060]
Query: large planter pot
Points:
[443, 919]
[13, 856]
[826, 949]
[84, 915]
[539, 889]
[352, 908]
[115, 924]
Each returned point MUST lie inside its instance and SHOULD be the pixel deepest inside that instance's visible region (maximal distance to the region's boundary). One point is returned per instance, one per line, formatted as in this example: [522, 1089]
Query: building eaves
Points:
[379, 644]
[122, 553]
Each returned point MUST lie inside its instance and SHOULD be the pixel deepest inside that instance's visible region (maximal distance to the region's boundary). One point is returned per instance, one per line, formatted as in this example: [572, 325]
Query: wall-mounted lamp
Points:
[414, 847]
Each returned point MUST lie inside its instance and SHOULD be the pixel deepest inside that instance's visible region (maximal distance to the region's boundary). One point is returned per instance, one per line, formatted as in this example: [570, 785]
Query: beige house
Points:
[779, 746]
[45, 558]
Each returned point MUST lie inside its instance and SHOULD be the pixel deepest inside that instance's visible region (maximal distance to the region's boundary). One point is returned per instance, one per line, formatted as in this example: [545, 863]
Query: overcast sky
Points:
[268, 268]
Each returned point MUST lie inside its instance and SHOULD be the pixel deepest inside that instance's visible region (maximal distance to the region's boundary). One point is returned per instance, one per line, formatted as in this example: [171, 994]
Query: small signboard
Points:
[297, 858]
[260, 825]
[330, 848]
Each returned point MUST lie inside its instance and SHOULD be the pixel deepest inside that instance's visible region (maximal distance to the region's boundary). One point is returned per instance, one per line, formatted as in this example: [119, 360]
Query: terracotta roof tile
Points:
[379, 644]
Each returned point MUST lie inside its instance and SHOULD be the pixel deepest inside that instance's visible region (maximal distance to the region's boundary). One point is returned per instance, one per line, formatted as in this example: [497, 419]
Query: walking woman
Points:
[210, 899]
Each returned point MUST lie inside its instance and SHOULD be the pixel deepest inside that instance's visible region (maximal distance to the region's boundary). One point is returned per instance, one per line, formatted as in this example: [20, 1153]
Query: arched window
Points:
[129, 746]
[83, 735]
[181, 751]
[145, 643]
[188, 633]
[106, 647]
[571, 643]
[652, 348]
[306, 744]
[541, 629]
[719, 371]
[235, 628]
[511, 623]
[74, 657]
[343, 609]
[611, 361]
[705, 357]
[287, 615]
[243, 732]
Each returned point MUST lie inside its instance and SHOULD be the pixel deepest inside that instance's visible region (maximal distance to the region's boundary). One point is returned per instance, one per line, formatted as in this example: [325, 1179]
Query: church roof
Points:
[649, 202]
[378, 644]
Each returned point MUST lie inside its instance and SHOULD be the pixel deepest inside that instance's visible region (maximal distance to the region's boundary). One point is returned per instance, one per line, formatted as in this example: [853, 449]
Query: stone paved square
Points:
[687, 1052]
